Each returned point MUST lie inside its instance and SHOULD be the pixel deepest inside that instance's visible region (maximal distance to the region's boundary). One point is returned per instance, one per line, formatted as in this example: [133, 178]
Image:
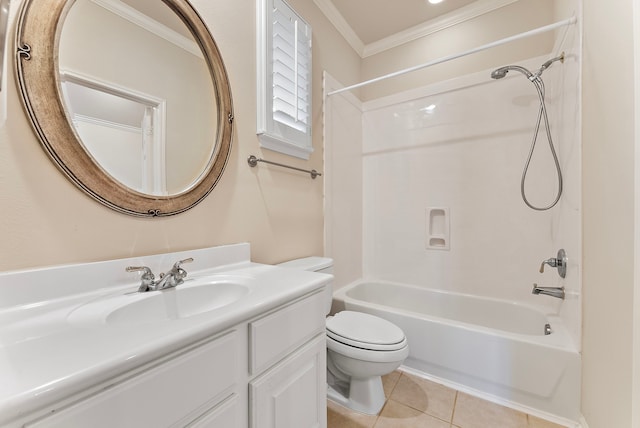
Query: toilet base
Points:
[363, 395]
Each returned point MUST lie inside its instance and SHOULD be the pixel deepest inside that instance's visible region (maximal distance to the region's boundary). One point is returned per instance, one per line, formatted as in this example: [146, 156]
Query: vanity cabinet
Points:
[197, 386]
[292, 392]
[265, 372]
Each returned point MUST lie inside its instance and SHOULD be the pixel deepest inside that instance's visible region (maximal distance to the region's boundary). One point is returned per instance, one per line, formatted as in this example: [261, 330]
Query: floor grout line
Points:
[455, 403]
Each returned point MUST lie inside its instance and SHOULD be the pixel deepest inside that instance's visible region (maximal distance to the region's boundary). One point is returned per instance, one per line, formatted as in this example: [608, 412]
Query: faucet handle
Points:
[147, 272]
[147, 277]
[551, 262]
[177, 264]
[559, 262]
[179, 273]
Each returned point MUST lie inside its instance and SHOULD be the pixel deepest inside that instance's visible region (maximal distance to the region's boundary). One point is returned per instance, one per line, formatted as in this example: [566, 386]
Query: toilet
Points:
[361, 348]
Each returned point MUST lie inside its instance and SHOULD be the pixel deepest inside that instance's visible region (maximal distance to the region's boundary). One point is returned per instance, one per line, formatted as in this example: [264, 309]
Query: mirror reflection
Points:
[139, 93]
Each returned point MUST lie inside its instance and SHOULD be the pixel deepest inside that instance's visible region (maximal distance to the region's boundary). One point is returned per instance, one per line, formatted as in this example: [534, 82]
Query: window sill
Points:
[272, 143]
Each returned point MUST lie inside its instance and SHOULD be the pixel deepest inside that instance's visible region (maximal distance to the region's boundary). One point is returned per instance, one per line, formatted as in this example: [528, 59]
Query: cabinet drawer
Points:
[226, 415]
[278, 334]
[161, 396]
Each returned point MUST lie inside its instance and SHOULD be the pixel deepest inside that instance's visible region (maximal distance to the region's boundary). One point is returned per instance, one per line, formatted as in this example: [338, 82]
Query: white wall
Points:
[608, 214]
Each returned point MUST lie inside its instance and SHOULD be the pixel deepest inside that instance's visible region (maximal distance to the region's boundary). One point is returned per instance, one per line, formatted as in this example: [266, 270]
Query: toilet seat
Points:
[367, 355]
[365, 331]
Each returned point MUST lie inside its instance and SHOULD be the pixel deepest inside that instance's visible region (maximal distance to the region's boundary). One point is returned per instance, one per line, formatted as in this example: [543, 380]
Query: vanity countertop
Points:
[45, 357]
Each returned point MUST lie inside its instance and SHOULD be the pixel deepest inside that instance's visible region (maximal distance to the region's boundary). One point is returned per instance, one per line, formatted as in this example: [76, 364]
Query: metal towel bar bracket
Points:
[253, 161]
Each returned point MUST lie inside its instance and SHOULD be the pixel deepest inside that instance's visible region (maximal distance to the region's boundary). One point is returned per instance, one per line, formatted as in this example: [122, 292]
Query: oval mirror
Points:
[129, 98]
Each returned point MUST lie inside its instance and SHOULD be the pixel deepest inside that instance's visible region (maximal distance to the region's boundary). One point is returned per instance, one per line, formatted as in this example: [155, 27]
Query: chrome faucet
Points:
[172, 278]
[557, 292]
[559, 262]
[148, 278]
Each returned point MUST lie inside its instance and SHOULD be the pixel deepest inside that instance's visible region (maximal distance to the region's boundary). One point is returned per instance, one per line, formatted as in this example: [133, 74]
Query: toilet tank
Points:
[314, 264]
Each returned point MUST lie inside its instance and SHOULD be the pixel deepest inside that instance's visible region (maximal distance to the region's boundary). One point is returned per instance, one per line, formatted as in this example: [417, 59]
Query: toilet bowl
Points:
[361, 348]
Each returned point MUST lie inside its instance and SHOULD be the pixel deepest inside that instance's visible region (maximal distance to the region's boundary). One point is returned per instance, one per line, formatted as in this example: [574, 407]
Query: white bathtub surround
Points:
[343, 182]
[62, 352]
[496, 347]
[460, 145]
[467, 154]
[566, 225]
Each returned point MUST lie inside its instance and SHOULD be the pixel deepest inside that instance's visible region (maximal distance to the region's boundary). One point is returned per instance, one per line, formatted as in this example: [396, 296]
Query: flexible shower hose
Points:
[542, 112]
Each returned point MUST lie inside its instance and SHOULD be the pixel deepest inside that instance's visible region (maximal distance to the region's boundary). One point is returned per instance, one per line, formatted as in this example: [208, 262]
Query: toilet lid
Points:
[365, 331]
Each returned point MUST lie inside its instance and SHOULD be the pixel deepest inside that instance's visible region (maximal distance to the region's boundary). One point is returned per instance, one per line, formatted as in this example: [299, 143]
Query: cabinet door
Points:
[293, 393]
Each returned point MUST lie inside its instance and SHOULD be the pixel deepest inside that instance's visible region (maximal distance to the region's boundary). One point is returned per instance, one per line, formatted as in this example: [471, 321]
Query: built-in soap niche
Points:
[437, 225]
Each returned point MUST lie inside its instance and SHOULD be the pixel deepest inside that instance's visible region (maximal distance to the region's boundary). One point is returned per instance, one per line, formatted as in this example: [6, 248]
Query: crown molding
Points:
[466, 13]
[335, 17]
[135, 17]
[458, 16]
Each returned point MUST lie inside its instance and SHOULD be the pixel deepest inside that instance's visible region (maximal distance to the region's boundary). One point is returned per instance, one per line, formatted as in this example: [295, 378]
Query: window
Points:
[284, 79]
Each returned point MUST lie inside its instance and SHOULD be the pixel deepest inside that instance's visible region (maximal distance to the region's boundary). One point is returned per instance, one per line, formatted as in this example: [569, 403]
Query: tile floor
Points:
[413, 402]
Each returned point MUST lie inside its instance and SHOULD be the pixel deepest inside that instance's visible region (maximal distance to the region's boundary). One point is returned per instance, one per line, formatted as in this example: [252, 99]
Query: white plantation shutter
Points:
[290, 70]
[284, 79]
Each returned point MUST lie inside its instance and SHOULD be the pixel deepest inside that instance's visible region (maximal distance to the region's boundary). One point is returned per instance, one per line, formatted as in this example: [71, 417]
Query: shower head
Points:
[501, 72]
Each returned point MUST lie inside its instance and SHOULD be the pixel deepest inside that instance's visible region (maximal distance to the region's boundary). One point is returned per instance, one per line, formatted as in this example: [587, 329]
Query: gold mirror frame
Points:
[37, 38]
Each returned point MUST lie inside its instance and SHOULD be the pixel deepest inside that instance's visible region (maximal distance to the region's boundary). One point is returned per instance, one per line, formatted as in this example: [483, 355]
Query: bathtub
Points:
[498, 349]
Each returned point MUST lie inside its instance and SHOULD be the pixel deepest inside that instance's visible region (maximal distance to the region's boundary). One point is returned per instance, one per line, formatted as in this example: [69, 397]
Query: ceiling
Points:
[373, 20]
[373, 26]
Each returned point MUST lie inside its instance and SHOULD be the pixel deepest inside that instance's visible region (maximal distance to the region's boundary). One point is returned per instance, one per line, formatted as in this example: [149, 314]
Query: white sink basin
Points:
[193, 297]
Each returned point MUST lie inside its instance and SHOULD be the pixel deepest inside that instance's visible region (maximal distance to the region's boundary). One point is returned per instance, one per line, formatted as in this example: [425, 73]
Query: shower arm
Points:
[543, 67]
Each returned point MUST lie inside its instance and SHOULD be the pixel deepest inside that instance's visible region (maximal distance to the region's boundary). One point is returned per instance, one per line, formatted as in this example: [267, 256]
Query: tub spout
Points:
[557, 292]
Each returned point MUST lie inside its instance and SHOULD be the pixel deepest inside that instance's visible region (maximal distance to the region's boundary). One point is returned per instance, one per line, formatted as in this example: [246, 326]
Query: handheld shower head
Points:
[501, 72]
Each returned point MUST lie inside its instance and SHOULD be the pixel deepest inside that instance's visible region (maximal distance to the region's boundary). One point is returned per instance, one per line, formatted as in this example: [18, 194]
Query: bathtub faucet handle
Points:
[559, 262]
[553, 262]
